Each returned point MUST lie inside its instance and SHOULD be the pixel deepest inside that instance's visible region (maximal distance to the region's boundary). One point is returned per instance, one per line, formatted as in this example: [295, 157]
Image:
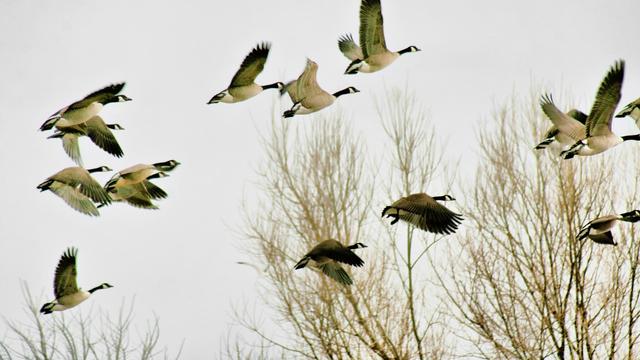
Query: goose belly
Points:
[378, 62]
[598, 144]
[71, 300]
[242, 93]
[79, 116]
[316, 103]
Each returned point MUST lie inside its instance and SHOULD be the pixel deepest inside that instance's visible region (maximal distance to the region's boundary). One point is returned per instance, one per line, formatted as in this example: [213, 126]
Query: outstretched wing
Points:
[565, 123]
[99, 95]
[71, 146]
[371, 28]
[74, 198]
[607, 98]
[336, 272]
[349, 48]
[102, 136]
[64, 282]
[306, 85]
[427, 214]
[344, 255]
[251, 66]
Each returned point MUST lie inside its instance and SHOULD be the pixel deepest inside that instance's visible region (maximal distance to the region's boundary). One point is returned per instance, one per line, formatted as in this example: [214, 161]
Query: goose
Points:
[424, 212]
[242, 86]
[372, 55]
[599, 229]
[83, 110]
[65, 288]
[132, 184]
[307, 96]
[77, 188]
[139, 173]
[598, 136]
[326, 255]
[632, 109]
[555, 135]
[99, 133]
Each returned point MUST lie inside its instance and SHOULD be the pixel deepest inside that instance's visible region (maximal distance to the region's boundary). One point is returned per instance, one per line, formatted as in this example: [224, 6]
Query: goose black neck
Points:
[341, 92]
[91, 291]
[405, 50]
[276, 85]
[98, 169]
[441, 198]
[635, 137]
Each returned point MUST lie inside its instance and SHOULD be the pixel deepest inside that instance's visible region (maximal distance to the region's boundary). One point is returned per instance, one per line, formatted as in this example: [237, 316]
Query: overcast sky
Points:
[174, 55]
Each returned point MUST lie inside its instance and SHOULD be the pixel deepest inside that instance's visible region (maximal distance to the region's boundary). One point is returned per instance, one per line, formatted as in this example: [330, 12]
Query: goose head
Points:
[100, 169]
[100, 287]
[444, 198]
[349, 90]
[408, 50]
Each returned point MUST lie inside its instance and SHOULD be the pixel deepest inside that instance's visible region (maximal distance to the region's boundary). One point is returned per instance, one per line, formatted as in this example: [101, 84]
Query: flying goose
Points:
[307, 96]
[132, 184]
[598, 136]
[139, 173]
[372, 55]
[555, 135]
[326, 255]
[599, 229]
[65, 288]
[77, 188]
[83, 110]
[95, 128]
[242, 86]
[424, 212]
[632, 109]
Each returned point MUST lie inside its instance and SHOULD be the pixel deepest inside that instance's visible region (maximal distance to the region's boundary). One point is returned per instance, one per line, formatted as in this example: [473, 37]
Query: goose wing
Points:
[98, 95]
[371, 28]
[306, 85]
[336, 272]
[607, 98]
[563, 122]
[292, 89]
[147, 189]
[603, 238]
[424, 212]
[74, 198]
[102, 136]
[141, 201]
[71, 146]
[80, 179]
[251, 66]
[349, 48]
[344, 255]
[154, 191]
[64, 283]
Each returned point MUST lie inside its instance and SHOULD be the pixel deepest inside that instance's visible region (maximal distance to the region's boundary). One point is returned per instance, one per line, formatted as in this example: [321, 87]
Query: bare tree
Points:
[318, 182]
[524, 287]
[74, 335]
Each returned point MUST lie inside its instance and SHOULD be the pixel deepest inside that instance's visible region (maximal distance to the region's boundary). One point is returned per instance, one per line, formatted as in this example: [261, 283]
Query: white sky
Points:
[175, 55]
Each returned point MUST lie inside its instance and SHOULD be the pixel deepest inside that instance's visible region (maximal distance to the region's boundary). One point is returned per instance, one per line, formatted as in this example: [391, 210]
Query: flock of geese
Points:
[75, 185]
[580, 134]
